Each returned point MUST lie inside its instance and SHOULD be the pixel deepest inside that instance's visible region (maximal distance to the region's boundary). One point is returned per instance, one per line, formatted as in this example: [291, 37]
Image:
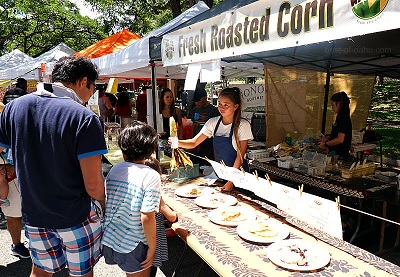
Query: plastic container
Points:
[183, 174]
[258, 154]
[285, 162]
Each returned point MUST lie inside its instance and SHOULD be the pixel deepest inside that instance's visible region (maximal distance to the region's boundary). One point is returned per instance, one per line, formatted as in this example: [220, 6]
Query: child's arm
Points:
[149, 227]
[166, 210]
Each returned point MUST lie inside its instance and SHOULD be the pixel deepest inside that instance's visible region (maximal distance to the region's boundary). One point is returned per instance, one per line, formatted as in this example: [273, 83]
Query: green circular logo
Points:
[368, 9]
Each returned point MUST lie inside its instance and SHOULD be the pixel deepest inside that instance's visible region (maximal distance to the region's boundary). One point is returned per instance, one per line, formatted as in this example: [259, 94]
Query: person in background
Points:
[59, 168]
[105, 107]
[168, 109]
[133, 198]
[12, 209]
[230, 132]
[167, 212]
[124, 105]
[341, 134]
[21, 85]
[202, 112]
[141, 105]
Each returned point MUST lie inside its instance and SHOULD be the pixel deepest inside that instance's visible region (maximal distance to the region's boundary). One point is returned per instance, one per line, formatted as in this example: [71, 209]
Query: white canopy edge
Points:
[28, 70]
[136, 55]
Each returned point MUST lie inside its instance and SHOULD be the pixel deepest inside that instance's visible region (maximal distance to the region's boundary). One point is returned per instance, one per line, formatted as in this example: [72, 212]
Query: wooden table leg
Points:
[383, 226]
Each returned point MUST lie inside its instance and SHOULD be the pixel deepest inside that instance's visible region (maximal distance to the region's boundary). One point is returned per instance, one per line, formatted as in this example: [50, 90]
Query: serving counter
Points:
[230, 255]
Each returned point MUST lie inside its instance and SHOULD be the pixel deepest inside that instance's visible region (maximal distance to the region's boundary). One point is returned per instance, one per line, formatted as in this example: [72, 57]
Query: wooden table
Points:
[229, 255]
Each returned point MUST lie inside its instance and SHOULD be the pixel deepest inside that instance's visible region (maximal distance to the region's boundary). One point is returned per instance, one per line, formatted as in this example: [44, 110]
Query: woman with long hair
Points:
[168, 109]
[230, 132]
[341, 134]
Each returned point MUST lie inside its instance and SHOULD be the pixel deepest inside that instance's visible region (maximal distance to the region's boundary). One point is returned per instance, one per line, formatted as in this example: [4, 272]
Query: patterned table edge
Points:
[243, 270]
[338, 243]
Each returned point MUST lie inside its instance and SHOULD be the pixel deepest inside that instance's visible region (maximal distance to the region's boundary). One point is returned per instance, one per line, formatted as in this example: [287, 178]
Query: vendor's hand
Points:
[228, 186]
[322, 145]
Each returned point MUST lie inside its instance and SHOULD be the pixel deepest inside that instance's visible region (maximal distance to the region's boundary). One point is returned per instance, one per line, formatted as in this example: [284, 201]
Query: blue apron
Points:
[223, 148]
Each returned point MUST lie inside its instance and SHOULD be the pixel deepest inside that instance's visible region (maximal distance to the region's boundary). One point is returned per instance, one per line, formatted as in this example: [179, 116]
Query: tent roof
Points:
[136, 56]
[14, 58]
[358, 47]
[28, 70]
[319, 56]
[109, 45]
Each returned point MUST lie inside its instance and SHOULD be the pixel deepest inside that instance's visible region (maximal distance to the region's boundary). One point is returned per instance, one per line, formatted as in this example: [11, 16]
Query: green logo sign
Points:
[367, 9]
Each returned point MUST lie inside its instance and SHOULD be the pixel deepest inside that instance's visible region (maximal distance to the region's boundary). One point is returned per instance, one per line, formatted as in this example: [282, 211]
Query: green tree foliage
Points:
[141, 16]
[35, 27]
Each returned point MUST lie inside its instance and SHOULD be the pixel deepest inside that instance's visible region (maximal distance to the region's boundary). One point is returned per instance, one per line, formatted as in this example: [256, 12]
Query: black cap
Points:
[199, 93]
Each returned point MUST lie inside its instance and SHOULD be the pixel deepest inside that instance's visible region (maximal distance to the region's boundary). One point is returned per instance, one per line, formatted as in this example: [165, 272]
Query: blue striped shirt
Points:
[131, 189]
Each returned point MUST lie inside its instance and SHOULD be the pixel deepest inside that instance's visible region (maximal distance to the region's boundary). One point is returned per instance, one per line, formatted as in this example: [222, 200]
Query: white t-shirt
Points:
[244, 131]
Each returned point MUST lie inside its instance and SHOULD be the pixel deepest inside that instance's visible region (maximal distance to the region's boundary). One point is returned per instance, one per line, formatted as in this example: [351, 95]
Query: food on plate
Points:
[231, 215]
[263, 229]
[294, 254]
[194, 191]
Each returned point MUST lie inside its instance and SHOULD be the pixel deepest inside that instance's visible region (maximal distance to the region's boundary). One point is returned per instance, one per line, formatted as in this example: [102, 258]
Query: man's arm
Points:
[93, 178]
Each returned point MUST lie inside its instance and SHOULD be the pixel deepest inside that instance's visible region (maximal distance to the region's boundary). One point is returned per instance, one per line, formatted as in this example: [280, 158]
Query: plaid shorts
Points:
[77, 247]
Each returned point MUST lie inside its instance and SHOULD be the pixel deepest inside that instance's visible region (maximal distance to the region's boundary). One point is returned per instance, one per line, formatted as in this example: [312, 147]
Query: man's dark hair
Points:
[21, 82]
[71, 69]
[138, 141]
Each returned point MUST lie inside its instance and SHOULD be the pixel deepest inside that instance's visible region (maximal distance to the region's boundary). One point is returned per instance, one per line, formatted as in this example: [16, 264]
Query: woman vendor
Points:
[168, 109]
[230, 132]
[341, 134]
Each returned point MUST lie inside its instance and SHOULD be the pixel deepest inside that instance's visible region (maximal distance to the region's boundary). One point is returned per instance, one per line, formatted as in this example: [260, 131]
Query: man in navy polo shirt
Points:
[56, 144]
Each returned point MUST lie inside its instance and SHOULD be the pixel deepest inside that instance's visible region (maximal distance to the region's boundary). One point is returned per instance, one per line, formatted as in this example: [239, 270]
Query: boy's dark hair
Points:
[138, 141]
[154, 164]
[71, 69]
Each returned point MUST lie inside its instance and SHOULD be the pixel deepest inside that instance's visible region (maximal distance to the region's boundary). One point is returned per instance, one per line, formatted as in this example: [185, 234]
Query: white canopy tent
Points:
[134, 60]
[328, 37]
[13, 59]
[30, 70]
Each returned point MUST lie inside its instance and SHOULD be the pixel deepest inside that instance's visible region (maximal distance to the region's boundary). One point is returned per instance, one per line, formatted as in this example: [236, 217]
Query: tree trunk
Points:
[209, 3]
[175, 7]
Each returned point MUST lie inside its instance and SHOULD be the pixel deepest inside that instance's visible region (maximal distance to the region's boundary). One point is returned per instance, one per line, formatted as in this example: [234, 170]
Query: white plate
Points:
[239, 215]
[276, 231]
[280, 253]
[190, 191]
[215, 200]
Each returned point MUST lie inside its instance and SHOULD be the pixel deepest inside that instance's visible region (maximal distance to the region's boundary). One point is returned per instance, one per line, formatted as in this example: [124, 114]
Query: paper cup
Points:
[174, 142]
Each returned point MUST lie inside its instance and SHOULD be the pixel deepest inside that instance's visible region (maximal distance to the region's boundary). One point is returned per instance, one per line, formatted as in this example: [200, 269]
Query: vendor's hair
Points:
[342, 98]
[71, 69]
[234, 95]
[162, 104]
[138, 141]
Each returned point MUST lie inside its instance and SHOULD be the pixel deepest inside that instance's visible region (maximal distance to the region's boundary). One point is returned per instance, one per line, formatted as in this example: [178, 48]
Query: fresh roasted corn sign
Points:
[268, 25]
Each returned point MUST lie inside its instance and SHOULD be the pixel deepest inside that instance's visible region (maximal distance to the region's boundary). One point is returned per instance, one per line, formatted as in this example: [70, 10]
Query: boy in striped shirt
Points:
[133, 198]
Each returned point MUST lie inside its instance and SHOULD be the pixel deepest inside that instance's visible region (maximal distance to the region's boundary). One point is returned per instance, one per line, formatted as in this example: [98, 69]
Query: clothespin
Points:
[269, 179]
[338, 203]
[301, 189]
[207, 159]
[223, 163]
[242, 169]
[256, 174]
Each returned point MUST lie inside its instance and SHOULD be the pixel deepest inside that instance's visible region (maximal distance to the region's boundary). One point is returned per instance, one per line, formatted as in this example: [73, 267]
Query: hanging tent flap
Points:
[296, 100]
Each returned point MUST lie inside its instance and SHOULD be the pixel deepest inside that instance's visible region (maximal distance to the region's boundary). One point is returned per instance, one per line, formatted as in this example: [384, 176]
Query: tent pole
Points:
[154, 92]
[326, 97]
